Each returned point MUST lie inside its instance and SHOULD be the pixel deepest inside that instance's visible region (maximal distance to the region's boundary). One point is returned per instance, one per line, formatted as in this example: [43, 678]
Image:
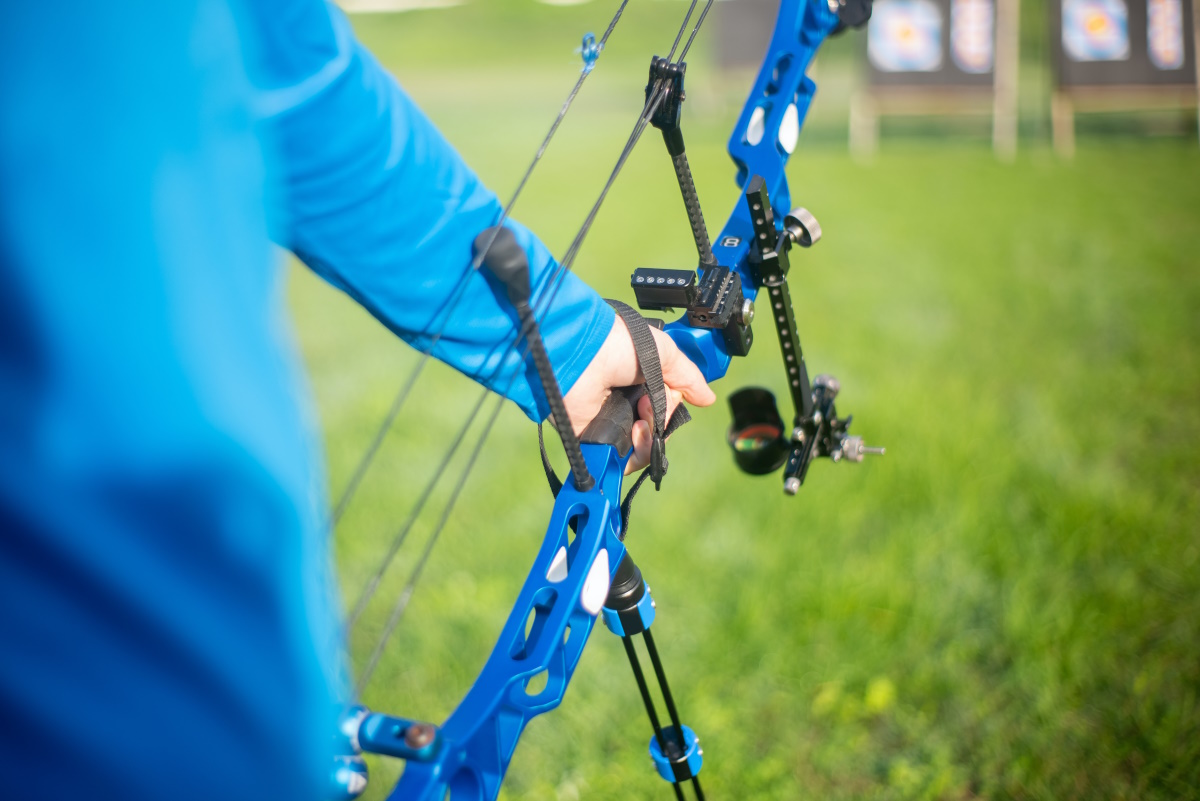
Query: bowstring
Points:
[447, 310]
[682, 28]
[552, 286]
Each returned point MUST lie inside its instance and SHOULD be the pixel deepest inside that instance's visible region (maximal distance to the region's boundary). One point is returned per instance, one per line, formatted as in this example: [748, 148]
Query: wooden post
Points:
[1196, 57]
[1007, 68]
[864, 125]
[1062, 124]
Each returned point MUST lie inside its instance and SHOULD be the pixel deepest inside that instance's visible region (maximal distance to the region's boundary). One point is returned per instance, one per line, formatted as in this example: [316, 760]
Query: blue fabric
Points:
[168, 613]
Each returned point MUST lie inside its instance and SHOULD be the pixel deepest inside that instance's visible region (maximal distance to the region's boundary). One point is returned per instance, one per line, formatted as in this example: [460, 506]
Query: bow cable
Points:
[459, 291]
[656, 96]
[552, 290]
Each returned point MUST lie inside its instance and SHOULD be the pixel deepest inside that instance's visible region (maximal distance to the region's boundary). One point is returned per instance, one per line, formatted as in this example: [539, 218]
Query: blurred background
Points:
[1007, 605]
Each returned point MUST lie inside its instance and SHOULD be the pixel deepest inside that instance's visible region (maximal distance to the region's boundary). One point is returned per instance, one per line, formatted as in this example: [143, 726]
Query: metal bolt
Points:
[419, 735]
[798, 434]
[854, 449]
[791, 486]
[747, 311]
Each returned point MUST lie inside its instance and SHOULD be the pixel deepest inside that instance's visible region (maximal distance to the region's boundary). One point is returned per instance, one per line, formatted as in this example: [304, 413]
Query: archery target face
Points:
[1095, 30]
[1164, 33]
[971, 37]
[905, 36]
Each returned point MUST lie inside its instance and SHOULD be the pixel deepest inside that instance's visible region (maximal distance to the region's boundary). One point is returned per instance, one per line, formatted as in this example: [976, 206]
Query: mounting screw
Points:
[791, 486]
[419, 735]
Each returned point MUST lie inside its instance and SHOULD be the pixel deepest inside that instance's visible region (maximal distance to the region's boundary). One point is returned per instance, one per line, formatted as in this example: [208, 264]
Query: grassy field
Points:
[1005, 606]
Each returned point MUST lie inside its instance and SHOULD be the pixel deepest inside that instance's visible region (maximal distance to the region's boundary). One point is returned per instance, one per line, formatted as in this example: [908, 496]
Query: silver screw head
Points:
[791, 486]
[747, 311]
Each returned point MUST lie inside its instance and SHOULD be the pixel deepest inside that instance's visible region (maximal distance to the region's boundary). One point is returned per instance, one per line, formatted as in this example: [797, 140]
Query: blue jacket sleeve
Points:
[374, 199]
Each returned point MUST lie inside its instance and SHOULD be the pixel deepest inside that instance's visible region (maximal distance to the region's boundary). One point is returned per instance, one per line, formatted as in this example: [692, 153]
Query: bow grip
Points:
[613, 425]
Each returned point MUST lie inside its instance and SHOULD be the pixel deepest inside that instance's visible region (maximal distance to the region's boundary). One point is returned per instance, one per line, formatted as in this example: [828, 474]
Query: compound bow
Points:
[583, 571]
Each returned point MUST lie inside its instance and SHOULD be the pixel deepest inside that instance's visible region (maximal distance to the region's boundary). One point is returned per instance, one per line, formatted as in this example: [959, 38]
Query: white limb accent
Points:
[754, 131]
[595, 589]
[558, 568]
[357, 783]
[789, 129]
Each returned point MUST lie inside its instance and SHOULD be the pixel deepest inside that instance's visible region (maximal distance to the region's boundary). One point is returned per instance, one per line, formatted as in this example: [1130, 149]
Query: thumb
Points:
[680, 373]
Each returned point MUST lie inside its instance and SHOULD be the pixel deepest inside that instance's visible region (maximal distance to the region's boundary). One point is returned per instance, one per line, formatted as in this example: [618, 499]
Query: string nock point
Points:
[589, 50]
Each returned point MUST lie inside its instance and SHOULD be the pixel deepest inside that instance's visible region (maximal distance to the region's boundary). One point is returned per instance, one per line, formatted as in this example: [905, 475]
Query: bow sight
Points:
[718, 300]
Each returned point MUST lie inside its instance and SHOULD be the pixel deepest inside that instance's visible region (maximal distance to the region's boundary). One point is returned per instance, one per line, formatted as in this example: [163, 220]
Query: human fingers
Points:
[680, 373]
[642, 437]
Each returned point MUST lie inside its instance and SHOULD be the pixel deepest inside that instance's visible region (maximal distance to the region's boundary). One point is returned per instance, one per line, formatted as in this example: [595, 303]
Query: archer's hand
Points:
[616, 365]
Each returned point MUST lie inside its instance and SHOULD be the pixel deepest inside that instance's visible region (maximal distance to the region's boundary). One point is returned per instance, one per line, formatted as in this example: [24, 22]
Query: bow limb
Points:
[559, 602]
[762, 140]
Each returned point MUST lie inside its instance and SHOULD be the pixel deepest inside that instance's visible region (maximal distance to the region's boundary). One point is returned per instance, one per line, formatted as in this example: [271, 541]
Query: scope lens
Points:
[754, 438]
[756, 435]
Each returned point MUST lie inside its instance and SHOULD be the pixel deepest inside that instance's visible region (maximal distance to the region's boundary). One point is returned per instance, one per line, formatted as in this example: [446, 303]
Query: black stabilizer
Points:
[627, 586]
[852, 14]
[626, 592]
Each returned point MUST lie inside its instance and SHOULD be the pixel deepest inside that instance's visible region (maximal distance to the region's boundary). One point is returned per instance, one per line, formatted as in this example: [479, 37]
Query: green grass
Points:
[1005, 606]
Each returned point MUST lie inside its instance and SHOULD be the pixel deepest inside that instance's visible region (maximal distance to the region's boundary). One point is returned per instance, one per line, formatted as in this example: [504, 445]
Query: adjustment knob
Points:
[746, 314]
[802, 227]
[853, 450]
[828, 383]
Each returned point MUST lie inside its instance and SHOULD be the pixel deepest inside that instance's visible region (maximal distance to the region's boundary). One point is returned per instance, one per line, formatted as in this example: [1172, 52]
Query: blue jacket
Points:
[168, 612]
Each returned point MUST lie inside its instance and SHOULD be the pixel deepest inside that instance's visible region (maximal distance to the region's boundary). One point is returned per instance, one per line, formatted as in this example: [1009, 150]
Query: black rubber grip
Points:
[614, 424]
